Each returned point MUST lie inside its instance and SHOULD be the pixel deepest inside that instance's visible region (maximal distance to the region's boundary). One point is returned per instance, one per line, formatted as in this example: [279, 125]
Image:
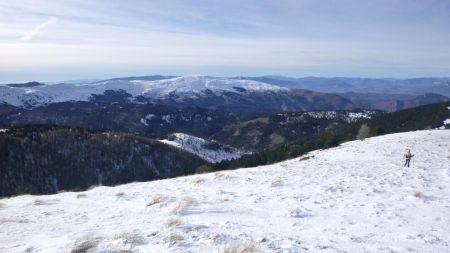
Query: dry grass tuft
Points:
[198, 181]
[173, 222]
[248, 247]
[156, 200]
[173, 238]
[130, 237]
[85, 245]
[183, 204]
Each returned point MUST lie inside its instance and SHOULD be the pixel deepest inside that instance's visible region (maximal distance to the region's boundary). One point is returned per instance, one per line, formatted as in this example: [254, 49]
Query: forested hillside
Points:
[46, 159]
[148, 120]
[422, 117]
[277, 129]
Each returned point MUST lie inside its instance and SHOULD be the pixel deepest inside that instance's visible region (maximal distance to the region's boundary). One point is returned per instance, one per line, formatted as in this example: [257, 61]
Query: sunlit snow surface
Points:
[354, 198]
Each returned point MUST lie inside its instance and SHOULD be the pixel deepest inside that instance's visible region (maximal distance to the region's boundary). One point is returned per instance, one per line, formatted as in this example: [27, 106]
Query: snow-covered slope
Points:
[200, 147]
[183, 86]
[357, 197]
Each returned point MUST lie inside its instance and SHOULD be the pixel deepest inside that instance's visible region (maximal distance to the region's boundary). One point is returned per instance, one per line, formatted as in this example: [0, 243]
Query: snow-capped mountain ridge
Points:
[183, 86]
[357, 197]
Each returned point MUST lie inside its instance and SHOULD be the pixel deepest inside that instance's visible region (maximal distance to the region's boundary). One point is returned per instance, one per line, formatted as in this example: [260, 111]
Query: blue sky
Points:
[52, 40]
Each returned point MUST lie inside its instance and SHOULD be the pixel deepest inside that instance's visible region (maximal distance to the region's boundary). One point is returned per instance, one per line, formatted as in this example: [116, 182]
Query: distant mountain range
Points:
[412, 86]
[240, 94]
[137, 90]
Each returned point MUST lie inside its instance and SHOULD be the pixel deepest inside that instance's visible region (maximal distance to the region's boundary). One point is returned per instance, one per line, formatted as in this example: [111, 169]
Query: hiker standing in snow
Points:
[408, 157]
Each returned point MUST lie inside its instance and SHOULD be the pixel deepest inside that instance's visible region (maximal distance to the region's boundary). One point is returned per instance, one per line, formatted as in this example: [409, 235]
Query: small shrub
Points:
[203, 169]
[27, 189]
[81, 195]
[419, 195]
[120, 194]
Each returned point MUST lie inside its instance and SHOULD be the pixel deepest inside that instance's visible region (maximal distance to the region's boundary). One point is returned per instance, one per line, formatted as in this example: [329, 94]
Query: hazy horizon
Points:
[92, 79]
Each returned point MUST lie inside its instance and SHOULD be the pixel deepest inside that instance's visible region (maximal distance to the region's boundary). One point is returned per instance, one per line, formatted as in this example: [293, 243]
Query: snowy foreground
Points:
[353, 198]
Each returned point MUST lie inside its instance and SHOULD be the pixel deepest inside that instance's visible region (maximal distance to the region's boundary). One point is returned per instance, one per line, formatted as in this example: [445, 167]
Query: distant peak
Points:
[23, 85]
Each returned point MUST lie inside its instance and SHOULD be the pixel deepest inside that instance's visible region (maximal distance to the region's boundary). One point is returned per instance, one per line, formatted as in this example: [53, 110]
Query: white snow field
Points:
[196, 145]
[357, 197]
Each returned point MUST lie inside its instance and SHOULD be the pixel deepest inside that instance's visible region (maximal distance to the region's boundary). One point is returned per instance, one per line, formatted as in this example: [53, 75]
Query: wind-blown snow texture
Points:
[196, 146]
[185, 86]
[357, 197]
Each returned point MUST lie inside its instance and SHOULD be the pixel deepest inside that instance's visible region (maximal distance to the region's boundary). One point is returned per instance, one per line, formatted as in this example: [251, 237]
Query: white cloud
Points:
[38, 29]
